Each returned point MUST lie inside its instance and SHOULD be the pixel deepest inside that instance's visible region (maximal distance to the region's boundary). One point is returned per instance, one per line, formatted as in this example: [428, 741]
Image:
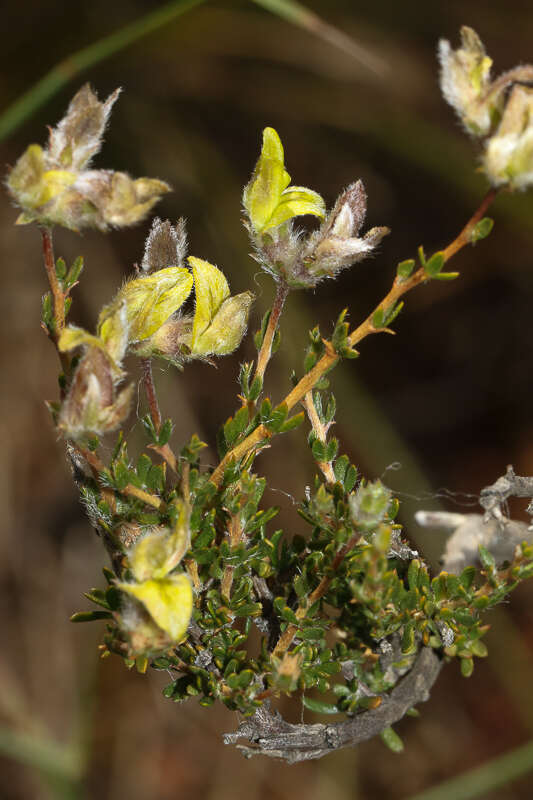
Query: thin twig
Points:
[151, 396]
[285, 640]
[320, 431]
[265, 352]
[235, 534]
[330, 357]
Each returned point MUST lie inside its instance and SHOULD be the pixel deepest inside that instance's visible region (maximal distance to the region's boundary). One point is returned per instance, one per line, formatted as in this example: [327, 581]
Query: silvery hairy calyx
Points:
[344, 615]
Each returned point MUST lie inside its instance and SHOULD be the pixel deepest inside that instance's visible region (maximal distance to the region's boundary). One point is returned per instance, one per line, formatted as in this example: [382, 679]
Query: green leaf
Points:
[405, 268]
[294, 422]
[319, 706]
[165, 433]
[90, 616]
[61, 268]
[378, 318]
[74, 272]
[446, 276]
[434, 265]
[482, 229]
[467, 667]
[392, 740]
[487, 559]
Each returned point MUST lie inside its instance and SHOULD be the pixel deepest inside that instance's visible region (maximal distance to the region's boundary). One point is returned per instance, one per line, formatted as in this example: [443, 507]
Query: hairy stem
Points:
[330, 357]
[151, 396]
[320, 431]
[265, 352]
[285, 640]
[58, 299]
[235, 534]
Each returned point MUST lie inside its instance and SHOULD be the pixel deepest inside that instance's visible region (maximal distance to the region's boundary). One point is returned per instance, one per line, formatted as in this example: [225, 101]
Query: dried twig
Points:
[270, 735]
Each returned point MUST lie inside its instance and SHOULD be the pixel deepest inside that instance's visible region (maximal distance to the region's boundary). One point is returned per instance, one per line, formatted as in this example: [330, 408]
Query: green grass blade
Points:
[70, 67]
[478, 782]
[298, 14]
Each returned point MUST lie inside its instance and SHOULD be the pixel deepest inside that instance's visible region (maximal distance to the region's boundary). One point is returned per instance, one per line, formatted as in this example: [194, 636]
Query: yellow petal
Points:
[160, 550]
[211, 288]
[149, 302]
[72, 337]
[227, 329]
[168, 601]
[269, 179]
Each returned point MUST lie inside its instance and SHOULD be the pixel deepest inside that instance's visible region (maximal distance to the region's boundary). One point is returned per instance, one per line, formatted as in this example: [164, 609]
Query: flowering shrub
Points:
[345, 615]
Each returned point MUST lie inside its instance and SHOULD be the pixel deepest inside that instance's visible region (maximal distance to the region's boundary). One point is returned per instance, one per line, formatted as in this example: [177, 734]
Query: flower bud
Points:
[74, 141]
[337, 244]
[465, 82]
[54, 186]
[369, 504]
[166, 246]
[508, 156]
[92, 405]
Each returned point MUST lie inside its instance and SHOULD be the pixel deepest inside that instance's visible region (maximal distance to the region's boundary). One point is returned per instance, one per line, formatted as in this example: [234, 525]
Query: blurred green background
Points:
[448, 399]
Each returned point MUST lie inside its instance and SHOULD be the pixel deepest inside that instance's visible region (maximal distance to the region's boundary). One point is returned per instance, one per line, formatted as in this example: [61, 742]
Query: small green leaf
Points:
[467, 667]
[165, 433]
[378, 318]
[392, 740]
[446, 276]
[319, 706]
[74, 272]
[294, 422]
[482, 229]
[434, 265]
[405, 268]
[487, 559]
[61, 268]
[90, 616]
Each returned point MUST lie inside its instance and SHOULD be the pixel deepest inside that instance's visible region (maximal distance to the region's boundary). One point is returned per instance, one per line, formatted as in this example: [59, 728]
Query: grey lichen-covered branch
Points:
[509, 485]
[270, 735]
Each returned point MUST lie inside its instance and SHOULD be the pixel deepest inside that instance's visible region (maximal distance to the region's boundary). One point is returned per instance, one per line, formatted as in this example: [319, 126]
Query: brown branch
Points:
[285, 640]
[330, 358]
[165, 451]
[235, 534]
[97, 466]
[320, 431]
[58, 297]
[265, 352]
[151, 396]
[270, 735]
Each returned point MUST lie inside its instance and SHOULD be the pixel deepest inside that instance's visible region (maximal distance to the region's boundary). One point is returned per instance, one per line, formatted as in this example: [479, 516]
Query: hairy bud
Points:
[92, 405]
[508, 156]
[166, 245]
[54, 186]
[337, 244]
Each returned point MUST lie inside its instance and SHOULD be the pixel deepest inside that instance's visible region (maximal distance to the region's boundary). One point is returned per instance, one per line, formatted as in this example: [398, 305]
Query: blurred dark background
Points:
[446, 403]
